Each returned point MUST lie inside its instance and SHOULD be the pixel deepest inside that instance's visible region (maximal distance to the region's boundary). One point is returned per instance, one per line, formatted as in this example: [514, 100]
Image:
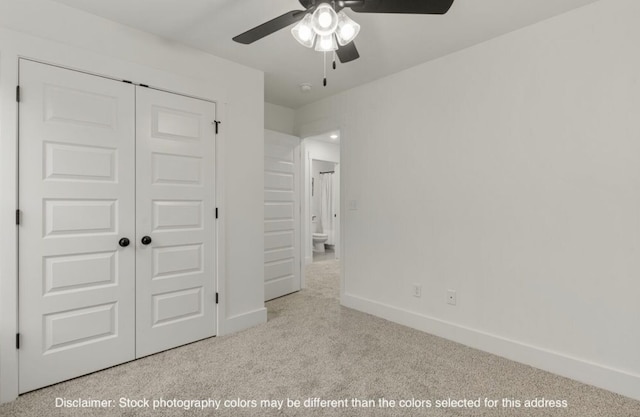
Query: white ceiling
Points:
[387, 43]
[326, 137]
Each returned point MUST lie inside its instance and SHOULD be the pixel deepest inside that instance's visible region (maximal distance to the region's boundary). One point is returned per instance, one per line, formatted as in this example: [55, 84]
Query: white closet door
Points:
[282, 266]
[175, 205]
[77, 200]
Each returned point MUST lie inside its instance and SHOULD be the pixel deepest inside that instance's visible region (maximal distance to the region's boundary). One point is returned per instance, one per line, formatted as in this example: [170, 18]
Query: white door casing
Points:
[76, 195]
[282, 265]
[175, 207]
[338, 219]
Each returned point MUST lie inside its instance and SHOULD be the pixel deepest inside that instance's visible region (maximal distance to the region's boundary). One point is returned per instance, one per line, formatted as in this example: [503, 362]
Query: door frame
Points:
[336, 167]
[305, 199]
[16, 46]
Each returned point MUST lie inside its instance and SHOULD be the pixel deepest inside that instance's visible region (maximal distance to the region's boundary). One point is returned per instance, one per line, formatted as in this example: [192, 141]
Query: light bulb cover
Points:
[347, 29]
[303, 32]
[324, 20]
[326, 43]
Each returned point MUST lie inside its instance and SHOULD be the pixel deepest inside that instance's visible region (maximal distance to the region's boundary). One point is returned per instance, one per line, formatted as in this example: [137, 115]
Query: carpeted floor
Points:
[312, 347]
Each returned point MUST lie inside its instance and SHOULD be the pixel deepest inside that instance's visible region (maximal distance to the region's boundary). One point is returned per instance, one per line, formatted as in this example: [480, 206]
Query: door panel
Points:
[62, 273]
[73, 162]
[77, 198]
[282, 267]
[175, 207]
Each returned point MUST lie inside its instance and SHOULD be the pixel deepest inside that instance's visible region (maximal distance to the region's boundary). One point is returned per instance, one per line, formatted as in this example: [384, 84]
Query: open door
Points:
[282, 262]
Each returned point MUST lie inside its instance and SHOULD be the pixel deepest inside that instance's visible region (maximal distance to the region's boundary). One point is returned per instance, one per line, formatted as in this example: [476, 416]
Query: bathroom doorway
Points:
[321, 197]
[324, 210]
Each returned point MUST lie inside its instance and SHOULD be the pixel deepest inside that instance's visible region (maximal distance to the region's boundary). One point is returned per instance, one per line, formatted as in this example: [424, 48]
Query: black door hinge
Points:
[127, 81]
[17, 340]
[18, 94]
[144, 85]
[17, 216]
[217, 298]
[217, 123]
[216, 212]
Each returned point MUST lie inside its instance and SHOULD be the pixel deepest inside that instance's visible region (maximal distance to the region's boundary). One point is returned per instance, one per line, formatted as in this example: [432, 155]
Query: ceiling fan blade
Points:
[348, 53]
[270, 27]
[403, 6]
[306, 3]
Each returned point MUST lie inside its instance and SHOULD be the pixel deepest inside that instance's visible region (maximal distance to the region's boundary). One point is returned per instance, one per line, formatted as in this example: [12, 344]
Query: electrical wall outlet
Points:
[417, 290]
[451, 297]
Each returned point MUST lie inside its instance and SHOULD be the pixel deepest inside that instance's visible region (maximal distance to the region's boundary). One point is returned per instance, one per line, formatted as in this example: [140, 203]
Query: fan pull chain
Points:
[333, 3]
[324, 67]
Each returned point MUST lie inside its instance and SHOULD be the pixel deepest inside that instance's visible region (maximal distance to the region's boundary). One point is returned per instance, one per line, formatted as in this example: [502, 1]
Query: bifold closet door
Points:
[77, 283]
[175, 220]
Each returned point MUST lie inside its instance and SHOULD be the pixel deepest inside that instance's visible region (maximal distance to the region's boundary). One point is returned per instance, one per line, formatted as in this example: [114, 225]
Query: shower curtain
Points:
[326, 207]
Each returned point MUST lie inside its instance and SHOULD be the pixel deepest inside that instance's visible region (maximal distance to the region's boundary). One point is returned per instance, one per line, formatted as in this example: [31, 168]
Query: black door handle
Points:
[146, 240]
[124, 242]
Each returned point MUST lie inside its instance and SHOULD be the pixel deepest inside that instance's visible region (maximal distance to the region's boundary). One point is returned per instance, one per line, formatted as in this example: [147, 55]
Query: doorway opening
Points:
[323, 210]
[321, 197]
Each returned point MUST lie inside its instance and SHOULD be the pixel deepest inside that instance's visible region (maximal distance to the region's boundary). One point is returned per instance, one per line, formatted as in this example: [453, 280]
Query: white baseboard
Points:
[243, 321]
[615, 380]
[308, 260]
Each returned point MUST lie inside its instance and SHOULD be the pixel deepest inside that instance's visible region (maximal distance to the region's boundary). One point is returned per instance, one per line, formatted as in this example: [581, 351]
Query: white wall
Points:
[510, 174]
[57, 34]
[279, 118]
[322, 151]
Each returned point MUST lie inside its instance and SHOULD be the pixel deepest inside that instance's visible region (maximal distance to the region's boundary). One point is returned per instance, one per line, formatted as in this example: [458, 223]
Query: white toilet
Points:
[318, 241]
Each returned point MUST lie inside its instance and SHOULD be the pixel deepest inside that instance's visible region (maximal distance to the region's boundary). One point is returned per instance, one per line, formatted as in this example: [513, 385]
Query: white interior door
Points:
[77, 196]
[94, 180]
[282, 266]
[175, 209]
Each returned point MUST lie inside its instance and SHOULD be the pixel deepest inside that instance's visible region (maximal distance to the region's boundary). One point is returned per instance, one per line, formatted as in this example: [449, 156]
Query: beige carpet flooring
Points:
[312, 347]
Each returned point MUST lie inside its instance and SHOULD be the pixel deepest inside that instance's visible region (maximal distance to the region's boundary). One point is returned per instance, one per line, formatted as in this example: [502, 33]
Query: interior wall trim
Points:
[601, 376]
[243, 321]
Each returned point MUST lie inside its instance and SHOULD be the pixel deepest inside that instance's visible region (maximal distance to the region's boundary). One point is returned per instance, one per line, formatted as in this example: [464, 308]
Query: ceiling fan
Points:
[324, 25]
[346, 52]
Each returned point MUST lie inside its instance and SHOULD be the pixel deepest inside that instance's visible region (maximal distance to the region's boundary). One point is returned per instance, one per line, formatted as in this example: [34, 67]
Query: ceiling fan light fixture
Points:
[324, 26]
[347, 29]
[324, 20]
[303, 32]
[326, 43]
